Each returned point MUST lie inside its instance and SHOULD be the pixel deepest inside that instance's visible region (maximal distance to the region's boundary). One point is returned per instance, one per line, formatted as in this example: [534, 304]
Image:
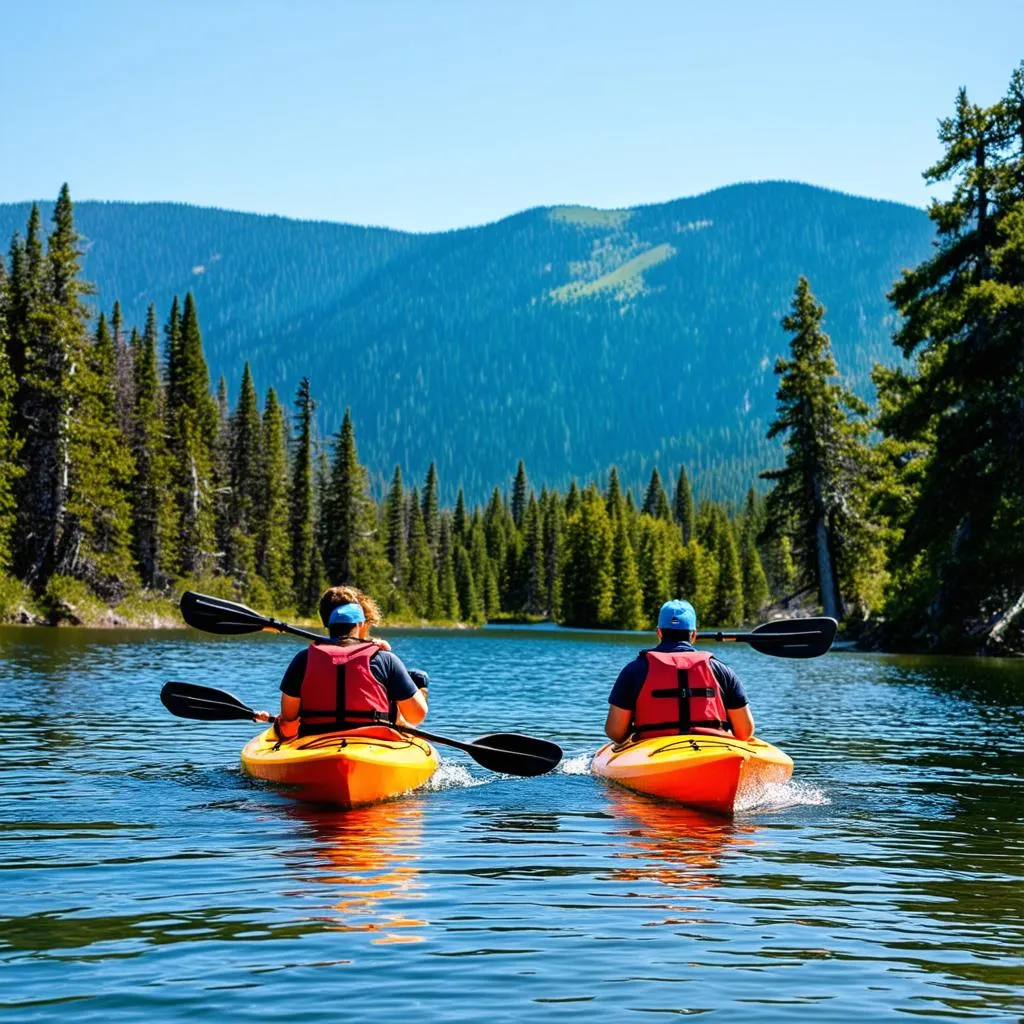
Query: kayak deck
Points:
[713, 773]
[343, 769]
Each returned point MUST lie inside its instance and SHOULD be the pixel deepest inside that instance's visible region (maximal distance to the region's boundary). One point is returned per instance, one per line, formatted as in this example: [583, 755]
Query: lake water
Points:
[144, 877]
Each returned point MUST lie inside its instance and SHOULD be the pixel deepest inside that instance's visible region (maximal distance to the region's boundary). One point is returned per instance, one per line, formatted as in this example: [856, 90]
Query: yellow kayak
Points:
[344, 769]
[712, 773]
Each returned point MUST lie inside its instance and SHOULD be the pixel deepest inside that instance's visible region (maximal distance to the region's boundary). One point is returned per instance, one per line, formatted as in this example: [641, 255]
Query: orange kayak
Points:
[712, 773]
[344, 769]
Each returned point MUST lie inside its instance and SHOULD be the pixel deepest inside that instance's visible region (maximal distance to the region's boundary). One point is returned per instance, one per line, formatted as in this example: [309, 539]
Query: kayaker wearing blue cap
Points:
[349, 680]
[674, 688]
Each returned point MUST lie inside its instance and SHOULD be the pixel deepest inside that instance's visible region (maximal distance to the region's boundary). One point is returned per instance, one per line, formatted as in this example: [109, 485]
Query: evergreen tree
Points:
[519, 488]
[194, 429]
[656, 500]
[682, 505]
[958, 559]
[469, 600]
[532, 561]
[449, 593]
[246, 462]
[613, 500]
[346, 512]
[728, 604]
[96, 542]
[460, 521]
[588, 575]
[305, 581]
[572, 500]
[656, 559]
[394, 515]
[124, 373]
[421, 587]
[627, 595]
[817, 495]
[431, 514]
[154, 540]
[554, 528]
[10, 445]
[274, 560]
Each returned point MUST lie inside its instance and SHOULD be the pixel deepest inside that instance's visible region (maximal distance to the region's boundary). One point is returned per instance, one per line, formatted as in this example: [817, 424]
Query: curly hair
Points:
[334, 597]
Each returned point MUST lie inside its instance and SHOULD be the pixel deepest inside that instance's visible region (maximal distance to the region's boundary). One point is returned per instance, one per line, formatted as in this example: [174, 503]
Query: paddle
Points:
[215, 615]
[784, 638]
[506, 752]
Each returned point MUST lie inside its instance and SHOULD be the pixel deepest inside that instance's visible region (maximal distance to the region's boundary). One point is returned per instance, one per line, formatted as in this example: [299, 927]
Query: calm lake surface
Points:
[144, 877]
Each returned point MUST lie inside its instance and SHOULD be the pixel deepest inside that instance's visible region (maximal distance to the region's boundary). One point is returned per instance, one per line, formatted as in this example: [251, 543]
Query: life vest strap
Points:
[690, 691]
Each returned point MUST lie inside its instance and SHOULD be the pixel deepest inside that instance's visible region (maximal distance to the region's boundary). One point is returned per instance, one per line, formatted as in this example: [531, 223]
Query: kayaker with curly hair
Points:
[674, 688]
[349, 679]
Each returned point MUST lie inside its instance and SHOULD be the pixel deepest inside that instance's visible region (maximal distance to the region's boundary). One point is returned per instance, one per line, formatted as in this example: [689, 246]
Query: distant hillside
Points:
[570, 337]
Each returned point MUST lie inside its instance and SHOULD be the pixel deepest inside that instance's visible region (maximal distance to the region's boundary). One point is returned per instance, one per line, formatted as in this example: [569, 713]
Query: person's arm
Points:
[737, 709]
[741, 721]
[412, 710]
[616, 725]
[409, 699]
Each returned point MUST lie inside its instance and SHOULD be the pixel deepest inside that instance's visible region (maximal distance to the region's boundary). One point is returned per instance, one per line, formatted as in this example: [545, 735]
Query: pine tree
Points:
[728, 604]
[554, 529]
[421, 587]
[959, 414]
[469, 600]
[245, 464]
[588, 575]
[682, 506]
[656, 559]
[10, 445]
[154, 539]
[124, 373]
[613, 500]
[519, 488]
[49, 334]
[95, 545]
[460, 521]
[532, 561]
[274, 560]
[449, 593]
[627, 595]
[345, 513]
[817, 495]
[194, 429]
[656, 500]
[306, 585]
[431, 514]
[395, 519]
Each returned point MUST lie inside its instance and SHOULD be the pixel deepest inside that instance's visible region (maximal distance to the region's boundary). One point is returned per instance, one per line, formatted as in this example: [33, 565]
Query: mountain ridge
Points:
[538, 336]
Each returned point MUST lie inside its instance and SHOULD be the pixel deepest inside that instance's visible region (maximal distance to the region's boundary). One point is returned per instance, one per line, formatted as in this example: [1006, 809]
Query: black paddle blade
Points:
[203, 703]
[800, 638]
[215, 615]
[514, 754]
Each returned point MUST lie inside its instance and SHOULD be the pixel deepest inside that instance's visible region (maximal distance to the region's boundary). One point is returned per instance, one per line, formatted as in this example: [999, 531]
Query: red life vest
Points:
[339, 691]
[679, 694]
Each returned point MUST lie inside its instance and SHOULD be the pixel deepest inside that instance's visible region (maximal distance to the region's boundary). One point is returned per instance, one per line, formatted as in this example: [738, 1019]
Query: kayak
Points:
[344, 769]
[712, 773]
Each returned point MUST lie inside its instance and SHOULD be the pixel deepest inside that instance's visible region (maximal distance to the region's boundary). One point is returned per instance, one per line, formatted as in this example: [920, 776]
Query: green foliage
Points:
[950, 483]
[588, 576]
[514, 356]
[818, 497]
[305, 558]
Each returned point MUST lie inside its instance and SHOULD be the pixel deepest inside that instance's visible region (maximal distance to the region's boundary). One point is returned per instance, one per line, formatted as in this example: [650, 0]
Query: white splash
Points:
[780, 795]
[452, 776]
[578, 765]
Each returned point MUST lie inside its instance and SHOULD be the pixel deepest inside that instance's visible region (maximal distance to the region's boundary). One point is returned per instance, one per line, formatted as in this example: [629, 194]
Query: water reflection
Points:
[669, 844]
[366, 858]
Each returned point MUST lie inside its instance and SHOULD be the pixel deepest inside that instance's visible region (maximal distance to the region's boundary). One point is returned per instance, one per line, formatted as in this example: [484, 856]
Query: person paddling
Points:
[349, 679]
[674, 688]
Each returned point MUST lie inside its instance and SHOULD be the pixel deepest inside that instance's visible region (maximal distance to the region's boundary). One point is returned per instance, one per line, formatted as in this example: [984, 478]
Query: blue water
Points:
[144, 877]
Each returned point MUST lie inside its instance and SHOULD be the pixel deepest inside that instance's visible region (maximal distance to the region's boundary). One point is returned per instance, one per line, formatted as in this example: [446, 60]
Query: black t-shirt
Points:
[631, 679]
[385, 667]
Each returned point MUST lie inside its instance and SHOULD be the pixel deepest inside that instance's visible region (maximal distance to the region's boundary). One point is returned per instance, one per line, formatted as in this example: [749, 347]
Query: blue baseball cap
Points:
[677, 615]
[347, 614]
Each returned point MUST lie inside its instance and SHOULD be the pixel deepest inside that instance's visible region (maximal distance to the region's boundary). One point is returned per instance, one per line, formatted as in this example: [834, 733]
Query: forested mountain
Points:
[568, 337]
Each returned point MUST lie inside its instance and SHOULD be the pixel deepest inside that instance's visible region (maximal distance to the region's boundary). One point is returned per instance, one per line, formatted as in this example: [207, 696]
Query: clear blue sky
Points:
[442, 113]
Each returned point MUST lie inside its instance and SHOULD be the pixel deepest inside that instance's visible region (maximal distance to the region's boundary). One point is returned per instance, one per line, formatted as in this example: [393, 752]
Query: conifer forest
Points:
[125, 477]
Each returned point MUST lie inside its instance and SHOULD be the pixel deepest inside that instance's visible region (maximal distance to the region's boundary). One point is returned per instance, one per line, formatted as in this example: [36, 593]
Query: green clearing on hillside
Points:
[627, 281]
